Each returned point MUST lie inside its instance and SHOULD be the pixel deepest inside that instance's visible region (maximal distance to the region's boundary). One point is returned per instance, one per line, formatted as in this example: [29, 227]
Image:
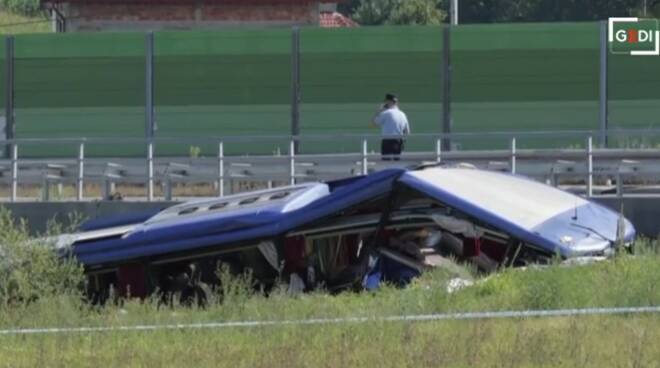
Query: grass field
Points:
[565, 342]
[612, 341]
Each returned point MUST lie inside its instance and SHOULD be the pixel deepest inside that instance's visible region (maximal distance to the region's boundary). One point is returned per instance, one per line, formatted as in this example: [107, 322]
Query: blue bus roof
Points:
[532, 212]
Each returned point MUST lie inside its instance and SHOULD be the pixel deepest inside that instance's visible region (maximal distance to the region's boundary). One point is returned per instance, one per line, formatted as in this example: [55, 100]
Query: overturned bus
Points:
[353, 233]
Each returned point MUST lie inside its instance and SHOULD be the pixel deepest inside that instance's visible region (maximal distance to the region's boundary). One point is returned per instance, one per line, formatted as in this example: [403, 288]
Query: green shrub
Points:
[194, 151]
[31, 269]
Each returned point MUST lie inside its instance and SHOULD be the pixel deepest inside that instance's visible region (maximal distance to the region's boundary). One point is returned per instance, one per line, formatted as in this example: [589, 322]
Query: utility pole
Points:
[453, 12]
[644, 8]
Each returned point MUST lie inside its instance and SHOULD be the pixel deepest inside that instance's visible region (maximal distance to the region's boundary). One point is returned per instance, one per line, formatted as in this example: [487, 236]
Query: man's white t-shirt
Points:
[393, 122]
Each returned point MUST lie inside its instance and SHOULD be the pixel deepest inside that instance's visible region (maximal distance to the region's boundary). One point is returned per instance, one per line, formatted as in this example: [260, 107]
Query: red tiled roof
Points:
[335, 20]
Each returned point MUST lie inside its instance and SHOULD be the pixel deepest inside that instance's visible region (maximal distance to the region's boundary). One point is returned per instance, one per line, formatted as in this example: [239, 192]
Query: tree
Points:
[378, 12]
[416, 12]
[654, 9]
[25, 7]
[491, 11]
[580, 10]
[348, 6]
[374, 12]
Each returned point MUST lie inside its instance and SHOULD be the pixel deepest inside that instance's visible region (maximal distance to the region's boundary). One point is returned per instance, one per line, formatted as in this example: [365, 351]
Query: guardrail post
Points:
[365, 162]
[14, 171]
[81, 173]
[45, 188]
[438, 150]
[590, 167]
[168, 188]
[513, 155]
[453, 12]
[221, 169]
[150, 171]
[105, 190]
[292, 162]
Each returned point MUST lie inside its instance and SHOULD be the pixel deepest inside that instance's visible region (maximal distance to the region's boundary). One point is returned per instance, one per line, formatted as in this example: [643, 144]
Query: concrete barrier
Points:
[39, 214]
[643, 211]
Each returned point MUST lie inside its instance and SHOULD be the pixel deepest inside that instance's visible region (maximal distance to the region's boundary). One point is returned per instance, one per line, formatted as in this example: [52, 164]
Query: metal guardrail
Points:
[554, 166]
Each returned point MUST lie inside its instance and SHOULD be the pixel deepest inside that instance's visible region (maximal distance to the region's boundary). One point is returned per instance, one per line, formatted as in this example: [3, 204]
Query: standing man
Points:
[394, 127]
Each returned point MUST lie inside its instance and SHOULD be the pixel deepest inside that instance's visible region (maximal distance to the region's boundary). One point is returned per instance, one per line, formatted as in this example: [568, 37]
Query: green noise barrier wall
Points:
[229, 83]
[533, 77]
[345, 74]
[79, 85]
[214, 84]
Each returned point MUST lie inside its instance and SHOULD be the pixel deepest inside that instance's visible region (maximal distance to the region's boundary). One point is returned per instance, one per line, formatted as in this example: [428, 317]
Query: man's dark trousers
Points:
[390, 149]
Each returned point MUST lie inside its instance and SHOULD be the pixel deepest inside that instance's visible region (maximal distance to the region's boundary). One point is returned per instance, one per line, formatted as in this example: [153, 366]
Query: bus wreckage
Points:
[348, 234]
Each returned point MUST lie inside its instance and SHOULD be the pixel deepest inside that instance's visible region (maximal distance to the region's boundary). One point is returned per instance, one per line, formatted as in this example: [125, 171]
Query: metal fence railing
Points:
[587, 166]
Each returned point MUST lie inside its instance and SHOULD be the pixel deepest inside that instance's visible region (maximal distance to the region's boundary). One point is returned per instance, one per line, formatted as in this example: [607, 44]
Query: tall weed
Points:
[31, 269]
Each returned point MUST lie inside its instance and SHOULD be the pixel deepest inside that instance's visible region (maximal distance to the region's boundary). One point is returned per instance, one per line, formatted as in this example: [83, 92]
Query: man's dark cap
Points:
[391, 97]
